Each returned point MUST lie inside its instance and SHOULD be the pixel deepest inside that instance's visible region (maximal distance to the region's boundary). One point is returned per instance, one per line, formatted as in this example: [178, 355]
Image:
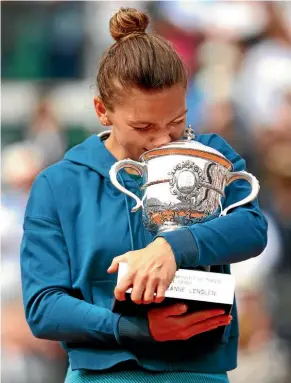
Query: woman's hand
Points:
[172, 322]
[150, 271]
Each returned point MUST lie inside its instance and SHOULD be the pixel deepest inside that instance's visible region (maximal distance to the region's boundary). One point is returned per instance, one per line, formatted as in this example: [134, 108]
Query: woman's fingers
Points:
[202, 316]
[161, 291]
[120, 290]
[115, 262]
[207, 325]
[139, 285]
[149, 294]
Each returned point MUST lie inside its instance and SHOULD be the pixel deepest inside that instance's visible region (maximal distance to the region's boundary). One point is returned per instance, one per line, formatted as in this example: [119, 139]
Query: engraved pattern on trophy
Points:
[156, 213]
[186, 181]
[210, 199]
[198, 192]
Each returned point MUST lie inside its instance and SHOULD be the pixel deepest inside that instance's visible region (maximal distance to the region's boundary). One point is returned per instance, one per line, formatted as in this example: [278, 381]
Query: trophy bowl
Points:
[183, 184]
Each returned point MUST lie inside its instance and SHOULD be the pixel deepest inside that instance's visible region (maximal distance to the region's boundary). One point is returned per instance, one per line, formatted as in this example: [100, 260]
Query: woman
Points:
[78, 228]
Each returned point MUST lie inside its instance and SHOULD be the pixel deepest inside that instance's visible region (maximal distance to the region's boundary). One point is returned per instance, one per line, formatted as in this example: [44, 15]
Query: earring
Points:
[106, 122]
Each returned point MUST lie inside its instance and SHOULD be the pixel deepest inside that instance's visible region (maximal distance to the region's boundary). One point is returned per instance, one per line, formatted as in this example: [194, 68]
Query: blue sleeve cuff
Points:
[133, 330]
[184, 247]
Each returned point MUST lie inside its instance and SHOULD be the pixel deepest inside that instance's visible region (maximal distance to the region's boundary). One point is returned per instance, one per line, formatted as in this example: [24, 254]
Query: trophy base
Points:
[199, 290]
[128, 307]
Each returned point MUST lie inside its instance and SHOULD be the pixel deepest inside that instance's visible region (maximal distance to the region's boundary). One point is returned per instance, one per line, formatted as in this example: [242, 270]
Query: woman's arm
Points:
[239, 235]
[51, 310]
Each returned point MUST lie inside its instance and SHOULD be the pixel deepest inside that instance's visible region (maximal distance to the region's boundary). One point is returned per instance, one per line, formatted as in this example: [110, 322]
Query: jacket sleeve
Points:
[51, 309]
[238, 236]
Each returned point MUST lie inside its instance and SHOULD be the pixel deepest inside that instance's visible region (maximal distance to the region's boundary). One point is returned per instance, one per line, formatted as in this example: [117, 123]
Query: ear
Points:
[101, 111]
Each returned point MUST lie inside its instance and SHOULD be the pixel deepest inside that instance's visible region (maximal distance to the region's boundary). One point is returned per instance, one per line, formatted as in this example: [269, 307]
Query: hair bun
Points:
[127, 21]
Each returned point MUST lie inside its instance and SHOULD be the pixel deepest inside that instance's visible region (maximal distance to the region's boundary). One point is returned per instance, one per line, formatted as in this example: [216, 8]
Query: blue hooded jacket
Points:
[76, 222]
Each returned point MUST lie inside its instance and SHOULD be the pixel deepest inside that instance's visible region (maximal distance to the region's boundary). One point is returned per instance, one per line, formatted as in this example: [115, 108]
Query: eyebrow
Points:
[147, 122]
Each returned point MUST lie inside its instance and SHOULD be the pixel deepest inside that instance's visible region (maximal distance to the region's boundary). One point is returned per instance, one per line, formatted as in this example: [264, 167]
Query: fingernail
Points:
[220, 312]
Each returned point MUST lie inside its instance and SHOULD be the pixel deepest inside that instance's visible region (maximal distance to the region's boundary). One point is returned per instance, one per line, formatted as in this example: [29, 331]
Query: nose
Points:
[160, 140]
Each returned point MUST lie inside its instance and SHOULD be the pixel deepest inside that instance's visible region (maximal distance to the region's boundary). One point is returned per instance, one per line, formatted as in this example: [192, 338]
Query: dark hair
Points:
[138, 59]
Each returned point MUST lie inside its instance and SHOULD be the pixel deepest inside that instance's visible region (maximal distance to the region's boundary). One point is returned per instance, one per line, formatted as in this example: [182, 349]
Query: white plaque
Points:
[197, 285]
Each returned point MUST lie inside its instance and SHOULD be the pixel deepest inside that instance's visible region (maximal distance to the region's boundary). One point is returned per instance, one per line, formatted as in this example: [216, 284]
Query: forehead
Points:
[147, 105]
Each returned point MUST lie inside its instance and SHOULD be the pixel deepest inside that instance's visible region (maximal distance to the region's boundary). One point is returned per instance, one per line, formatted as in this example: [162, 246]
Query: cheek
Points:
[132, 141]
[177, 132]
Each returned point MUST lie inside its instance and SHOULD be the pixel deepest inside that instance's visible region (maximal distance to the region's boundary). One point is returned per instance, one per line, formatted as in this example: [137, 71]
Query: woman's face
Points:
[143, 120]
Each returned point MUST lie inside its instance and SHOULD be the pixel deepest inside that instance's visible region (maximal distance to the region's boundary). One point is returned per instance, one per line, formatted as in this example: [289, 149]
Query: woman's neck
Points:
[117, 151]
[114, 148]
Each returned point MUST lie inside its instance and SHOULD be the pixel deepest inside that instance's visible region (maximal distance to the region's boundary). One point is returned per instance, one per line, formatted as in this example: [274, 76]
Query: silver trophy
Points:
[183, 184]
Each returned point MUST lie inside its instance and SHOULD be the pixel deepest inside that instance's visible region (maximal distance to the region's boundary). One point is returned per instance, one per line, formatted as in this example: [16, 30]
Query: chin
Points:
[136, 156]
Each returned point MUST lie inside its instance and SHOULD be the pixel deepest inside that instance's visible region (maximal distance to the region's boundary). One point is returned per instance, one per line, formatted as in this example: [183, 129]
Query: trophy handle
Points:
[232, 176]
[138, 166]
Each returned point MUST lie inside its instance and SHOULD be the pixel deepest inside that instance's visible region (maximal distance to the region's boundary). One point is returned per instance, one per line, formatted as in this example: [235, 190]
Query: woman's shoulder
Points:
[215, 141]
[62, 171]
[58, 188]
[63, 175]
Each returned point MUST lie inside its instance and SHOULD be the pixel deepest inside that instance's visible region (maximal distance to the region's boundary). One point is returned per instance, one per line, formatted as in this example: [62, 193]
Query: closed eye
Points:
[178, 122]
[140, 129]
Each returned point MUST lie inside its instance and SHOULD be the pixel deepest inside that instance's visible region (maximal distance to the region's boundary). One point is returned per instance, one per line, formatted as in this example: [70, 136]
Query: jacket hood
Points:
[93, 153]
